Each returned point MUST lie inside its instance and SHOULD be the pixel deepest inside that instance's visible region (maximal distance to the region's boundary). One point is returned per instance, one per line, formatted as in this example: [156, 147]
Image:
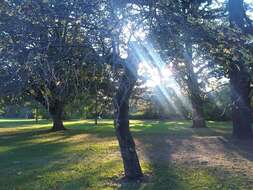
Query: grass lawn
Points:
[173, 156]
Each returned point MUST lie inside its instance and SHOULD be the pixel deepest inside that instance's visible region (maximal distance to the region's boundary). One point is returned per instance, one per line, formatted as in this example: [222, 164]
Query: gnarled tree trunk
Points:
[241, 110]
[56, 112]
[131, 163]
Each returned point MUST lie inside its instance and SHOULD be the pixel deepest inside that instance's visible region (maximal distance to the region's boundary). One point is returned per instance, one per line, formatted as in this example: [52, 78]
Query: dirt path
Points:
[195, 151]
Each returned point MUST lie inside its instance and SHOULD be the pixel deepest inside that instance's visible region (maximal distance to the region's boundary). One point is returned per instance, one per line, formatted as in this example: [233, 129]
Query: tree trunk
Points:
[241, 110]
[96, 105]
[36, 114]
[198, 119]
[131, 163]
[56, 111]
[239, 77]
[238, 16]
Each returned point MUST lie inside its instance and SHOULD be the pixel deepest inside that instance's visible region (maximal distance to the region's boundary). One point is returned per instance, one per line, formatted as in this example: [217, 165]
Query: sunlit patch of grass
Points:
[87, 157]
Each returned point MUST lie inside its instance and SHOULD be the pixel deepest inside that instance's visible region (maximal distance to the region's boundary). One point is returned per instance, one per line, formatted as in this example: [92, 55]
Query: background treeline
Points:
[217, 107]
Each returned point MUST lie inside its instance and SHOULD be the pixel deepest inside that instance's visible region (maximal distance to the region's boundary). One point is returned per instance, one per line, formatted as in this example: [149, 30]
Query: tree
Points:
[194, 91]
[132, 166]
[227, 47]
[46, 52]
[230, 50]
[174, 39]
[239, 76]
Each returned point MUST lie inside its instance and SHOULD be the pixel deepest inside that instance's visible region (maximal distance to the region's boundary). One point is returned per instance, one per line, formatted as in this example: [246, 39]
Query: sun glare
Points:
[155, 72]
[158, 76]
[153, 76]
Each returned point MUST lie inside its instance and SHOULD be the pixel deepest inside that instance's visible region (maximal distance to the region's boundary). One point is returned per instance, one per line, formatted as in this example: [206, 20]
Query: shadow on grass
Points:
[158, 141]
[163, 175]
[242, 147]
[154, 139]
[47, 166]
[16, 123]
[106, 129]
[46, 160]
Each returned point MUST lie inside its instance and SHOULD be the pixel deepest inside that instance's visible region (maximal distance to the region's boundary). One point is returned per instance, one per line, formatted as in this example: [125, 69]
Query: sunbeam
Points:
[158, 75]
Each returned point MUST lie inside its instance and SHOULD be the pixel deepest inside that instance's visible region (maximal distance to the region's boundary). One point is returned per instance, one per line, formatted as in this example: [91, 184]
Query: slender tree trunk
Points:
[36, 114]
[96, 105]
[198, 119]
[56, 112]
[131, 163]
[241, 110]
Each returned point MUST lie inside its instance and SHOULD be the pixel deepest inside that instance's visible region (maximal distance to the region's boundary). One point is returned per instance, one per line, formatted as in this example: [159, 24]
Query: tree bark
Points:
[36, 114]
[131, 163]
[56, 112]
[239, 77]
[238, 16]
[241, 110]
[198, 120]
[96, 105]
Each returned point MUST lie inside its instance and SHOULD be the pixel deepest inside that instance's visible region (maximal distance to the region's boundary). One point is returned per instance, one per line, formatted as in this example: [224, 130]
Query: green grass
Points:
[87, 157]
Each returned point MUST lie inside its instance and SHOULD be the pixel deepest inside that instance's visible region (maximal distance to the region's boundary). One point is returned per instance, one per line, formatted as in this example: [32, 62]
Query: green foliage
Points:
[217, 106]
[48, 54]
